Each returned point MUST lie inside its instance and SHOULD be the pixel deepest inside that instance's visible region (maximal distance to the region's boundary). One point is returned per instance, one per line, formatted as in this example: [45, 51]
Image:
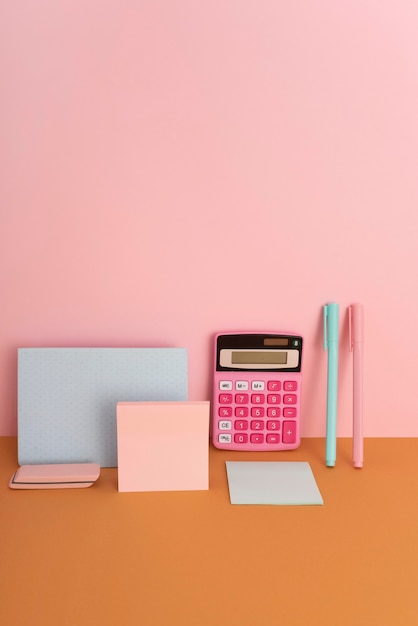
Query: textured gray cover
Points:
[67, 398]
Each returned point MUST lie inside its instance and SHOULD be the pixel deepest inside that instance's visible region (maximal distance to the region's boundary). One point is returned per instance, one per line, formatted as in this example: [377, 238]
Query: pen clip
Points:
[350, 329]
[325, 327]
[355, 325]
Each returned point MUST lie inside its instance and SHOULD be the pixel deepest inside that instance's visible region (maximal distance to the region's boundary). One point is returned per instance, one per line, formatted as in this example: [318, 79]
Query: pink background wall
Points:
[172, 169]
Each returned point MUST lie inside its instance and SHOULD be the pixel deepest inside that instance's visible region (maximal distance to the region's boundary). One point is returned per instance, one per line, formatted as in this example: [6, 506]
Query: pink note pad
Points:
[163, 446]
[55, 476]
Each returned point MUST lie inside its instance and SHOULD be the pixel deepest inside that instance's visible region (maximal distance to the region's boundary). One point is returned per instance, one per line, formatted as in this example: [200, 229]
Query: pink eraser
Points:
[163, 446]
[55, 476]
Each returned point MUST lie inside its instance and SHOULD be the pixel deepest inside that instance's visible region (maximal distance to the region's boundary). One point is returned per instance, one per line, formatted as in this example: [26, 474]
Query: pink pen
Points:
[356, 338]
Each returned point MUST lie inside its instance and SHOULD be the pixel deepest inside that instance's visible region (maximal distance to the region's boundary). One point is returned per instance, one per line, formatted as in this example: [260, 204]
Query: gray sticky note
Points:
[272, 482]
[67, 398]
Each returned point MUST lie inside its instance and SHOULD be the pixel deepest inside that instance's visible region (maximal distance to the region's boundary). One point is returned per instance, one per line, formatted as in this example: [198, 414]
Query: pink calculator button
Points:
[241, 411]
[274, 385]
[273, 412]
[289, 412]
[289, 432]
[290, 385]
[225, 411]
[273, 438]
[257, 425]
[257, 438]
[257, 411]
[225, 398]
[241, 398]
[240, 438]
[290, 398]
[273, 425]
[273, 398]
[257, 398]
[241, 424]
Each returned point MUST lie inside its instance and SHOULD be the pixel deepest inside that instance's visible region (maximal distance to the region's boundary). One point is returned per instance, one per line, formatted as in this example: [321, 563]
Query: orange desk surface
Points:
[98, 557]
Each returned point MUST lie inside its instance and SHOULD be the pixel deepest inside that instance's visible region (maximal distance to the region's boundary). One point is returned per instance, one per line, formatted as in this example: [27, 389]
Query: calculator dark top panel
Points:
[266, 351]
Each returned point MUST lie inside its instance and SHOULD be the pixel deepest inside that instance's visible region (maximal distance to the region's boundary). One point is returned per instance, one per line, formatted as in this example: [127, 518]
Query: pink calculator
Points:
[257, 391]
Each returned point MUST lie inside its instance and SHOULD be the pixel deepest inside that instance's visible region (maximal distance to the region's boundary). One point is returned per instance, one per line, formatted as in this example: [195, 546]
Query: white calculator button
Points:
[225, 425]
[241, 385]
[224, 438]
[225, 385]
[257, 385]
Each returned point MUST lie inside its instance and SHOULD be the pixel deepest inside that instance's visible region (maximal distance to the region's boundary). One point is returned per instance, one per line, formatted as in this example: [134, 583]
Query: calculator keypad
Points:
[255, 414]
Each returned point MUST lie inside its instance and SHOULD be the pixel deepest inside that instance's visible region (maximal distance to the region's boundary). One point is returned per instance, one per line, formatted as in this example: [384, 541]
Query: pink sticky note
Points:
[163, 446]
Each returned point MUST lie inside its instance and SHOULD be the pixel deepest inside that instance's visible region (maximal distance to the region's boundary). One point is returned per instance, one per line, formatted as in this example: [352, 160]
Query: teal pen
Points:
[331, 322]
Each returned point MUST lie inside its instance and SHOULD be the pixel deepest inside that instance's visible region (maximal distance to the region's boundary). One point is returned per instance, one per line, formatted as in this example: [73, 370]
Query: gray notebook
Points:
[67, 398]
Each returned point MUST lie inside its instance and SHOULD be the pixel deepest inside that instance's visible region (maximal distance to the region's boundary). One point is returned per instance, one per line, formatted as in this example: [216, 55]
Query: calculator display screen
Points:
[258, 358]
